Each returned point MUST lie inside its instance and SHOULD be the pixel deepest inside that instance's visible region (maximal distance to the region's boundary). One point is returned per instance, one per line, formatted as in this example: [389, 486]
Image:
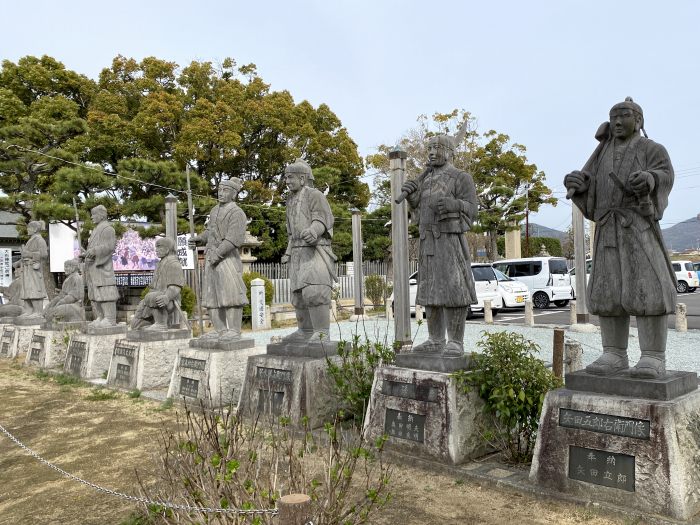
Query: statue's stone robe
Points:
[169, 280]
[34, 254]
[223, 283]
[310, 264]
[73, 310]
[444, 271]
[631, 272]
[99, 272]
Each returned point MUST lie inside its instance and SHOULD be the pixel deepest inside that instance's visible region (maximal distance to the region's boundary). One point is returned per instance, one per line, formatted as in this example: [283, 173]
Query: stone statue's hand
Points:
[193, 242]
[162, 301]
[214, 259]
[89, 255]
[448, 205]
[285, 259]
[409, 187]
[577, 181]
[642, 183]
[309, 236]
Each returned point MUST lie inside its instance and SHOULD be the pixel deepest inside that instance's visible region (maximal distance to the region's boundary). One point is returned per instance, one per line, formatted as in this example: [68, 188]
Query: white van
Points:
[546, 277]
[485, 283]
[686, 276]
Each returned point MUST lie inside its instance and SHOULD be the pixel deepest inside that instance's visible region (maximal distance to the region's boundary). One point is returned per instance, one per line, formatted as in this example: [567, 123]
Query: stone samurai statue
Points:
[309, 255]
[34, 255]
[445, 200]
[224, 292]
[163, 299]
[67, 306]
[624, 188]
[13, 294]
[99, 270]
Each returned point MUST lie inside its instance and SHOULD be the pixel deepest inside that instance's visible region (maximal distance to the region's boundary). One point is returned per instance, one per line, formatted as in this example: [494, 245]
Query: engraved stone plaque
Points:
[35, 354]
[75, 361]
[123, 375]
[124, 349]
[615, 425]
[274, 375]
[269, 401]
[189, 387]
[420, 392]
[404, 425]
[602, 468]
[192, 364]
[5, 348]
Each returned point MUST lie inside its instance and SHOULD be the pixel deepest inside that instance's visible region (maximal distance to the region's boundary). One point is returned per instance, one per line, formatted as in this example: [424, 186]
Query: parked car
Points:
[486, 285]
[514, 293]
[572, 276]
[686, 276]
[546, 277]
[696, 265]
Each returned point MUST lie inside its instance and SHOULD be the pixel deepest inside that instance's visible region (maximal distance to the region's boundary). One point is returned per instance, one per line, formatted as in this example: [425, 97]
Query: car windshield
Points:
[483, 273]
[501, 276]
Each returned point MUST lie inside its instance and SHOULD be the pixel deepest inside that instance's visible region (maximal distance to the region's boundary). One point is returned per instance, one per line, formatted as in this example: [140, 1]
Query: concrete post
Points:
[294, 509]
[573, 356]
[529, 316]
[513, 248]
[399, 249]
[171, 217]
[681, 317]
[334, 310]
[580, 263]
[390, 309]
[358, 285]
[488, 313]
[257, 303]
[572, 312]
[558, 352]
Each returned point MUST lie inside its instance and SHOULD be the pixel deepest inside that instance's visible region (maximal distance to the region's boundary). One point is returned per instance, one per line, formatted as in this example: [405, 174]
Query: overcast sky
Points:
[545, 73]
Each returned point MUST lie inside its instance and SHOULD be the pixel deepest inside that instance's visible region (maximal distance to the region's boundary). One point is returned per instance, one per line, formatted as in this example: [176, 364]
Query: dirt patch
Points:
[106, 441]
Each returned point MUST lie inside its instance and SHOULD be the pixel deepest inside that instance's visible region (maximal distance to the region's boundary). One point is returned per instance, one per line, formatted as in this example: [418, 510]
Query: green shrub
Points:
[552, 245]
[354, 374]
[269, 289]
[375, 288]
[101, 394]
[512, 382]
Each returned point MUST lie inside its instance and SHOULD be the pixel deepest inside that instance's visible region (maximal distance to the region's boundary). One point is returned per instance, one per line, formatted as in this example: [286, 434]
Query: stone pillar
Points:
[399, 249]
[513, 249]
[171, 217]
[257, 303]
[334, 310]
[572, 312]
[358, 285]
[580, 263]
[681, 317]
[268, 317]
[488, 313]
[573, 356]
[529, 316]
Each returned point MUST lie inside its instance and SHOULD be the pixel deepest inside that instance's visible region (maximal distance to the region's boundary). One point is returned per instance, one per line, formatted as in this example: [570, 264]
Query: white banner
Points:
[63, 245]
[5, 266]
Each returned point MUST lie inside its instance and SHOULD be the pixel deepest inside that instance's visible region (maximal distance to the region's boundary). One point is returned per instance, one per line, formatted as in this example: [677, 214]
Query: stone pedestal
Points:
[47, 348]
[89, 355]
[425, 415]
[212, 375]
[145, 359]
[8, 340]
[292, 386]
[628, 451]
[20, 341]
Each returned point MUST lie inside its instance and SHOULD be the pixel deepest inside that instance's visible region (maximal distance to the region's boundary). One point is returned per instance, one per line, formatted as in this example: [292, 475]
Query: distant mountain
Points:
[682, 236]
[537, 230]
[679, 237]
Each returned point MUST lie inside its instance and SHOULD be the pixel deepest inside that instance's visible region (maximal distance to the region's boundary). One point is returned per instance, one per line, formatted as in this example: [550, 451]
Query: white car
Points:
[686, 276]
[486, 285]
[514, 293]
[572, 275]
[546, 277]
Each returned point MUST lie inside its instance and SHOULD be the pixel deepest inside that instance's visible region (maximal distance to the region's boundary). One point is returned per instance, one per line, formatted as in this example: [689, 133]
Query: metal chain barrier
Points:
[135, 499]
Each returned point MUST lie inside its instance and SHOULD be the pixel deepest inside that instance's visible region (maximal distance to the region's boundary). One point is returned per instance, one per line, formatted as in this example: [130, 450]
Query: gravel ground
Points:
[683, 348]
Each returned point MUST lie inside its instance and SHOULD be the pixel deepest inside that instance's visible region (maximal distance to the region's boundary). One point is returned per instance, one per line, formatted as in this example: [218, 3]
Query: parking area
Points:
[560, 316]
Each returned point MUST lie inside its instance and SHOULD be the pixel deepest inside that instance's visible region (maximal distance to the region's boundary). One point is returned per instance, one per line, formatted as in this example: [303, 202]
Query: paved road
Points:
[560, 316]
